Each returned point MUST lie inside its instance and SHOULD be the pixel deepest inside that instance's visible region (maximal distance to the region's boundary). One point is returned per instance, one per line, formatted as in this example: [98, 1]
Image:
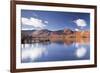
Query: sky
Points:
[54, 20]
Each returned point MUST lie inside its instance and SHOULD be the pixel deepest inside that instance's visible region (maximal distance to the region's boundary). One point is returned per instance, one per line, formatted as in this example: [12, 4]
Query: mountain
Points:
[27, 32]
[44, 32]
[41, 33]
[59, 32]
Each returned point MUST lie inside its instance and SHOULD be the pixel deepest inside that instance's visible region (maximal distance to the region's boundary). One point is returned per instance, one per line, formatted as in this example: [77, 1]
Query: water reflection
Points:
[31, 52]
[80, 52]
[55, 50]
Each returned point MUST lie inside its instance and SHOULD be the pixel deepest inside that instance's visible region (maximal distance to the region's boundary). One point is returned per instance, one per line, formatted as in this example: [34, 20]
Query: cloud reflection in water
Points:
[81, 52]
[32, 52]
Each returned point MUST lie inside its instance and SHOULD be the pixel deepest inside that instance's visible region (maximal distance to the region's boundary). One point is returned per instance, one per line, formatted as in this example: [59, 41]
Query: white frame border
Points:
[19, 65]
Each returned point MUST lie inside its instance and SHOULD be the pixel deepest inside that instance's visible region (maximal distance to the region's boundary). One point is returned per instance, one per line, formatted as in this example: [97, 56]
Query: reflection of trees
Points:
[30, 39]
[63, 41]
[69, 42]
[26, 39]
[67, 39]
[44, 41]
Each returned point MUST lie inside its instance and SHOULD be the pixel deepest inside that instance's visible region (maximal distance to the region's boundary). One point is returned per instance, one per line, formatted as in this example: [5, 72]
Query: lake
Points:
[55, 51]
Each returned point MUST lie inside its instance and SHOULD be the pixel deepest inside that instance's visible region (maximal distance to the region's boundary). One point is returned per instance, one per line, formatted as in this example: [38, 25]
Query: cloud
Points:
[35, 22]
[76, 29]
[27, 28]
[35, 15]
[80, 22]
[46, 22]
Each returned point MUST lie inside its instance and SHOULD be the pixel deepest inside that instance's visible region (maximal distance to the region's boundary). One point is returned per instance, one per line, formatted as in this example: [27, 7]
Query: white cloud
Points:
[46, 22]
[36, 23]
[27, 28]
[80, 22]
[76, 29]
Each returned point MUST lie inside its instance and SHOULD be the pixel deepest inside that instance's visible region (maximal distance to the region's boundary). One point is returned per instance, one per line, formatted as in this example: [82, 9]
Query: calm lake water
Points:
[55, 51]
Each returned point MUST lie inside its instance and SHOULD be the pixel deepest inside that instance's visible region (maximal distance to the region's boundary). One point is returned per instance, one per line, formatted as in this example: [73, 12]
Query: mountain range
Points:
[45, 32]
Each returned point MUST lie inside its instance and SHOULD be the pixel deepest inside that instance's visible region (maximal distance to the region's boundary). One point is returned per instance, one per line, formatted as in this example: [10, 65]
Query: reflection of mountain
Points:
[47, 35]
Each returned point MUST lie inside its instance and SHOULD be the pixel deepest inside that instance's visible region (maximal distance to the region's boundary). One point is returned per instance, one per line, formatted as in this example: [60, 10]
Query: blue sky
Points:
[54, 20]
